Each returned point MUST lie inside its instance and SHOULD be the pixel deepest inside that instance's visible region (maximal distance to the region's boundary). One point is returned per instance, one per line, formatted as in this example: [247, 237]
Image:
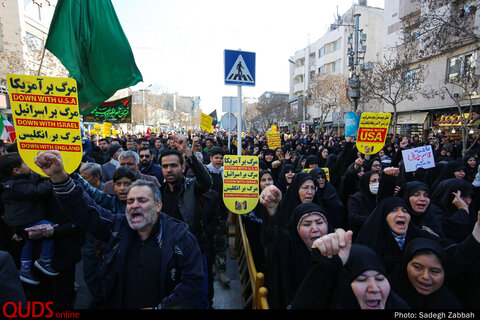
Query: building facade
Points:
[24, 28]
[330, 55]
[448, 62]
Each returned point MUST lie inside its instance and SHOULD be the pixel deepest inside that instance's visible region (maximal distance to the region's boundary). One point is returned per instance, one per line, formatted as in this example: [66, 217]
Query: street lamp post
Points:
[355, 55]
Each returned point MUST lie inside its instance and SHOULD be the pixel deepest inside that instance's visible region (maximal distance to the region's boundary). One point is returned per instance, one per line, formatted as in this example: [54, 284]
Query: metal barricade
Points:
[254, 294]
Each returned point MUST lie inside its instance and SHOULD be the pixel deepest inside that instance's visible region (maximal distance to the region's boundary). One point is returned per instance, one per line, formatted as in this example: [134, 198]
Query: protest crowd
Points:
[333, 228]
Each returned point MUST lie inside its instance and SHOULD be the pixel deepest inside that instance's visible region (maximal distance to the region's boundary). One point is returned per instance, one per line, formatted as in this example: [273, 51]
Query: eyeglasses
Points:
[145, 156]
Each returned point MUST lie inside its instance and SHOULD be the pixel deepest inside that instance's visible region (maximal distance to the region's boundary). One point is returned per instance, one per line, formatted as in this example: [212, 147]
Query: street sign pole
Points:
[239, 70]
[229, 126]
[239, 122]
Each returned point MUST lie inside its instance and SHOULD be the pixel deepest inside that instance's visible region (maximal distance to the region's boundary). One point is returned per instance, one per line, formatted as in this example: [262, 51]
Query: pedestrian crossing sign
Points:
[239, 68]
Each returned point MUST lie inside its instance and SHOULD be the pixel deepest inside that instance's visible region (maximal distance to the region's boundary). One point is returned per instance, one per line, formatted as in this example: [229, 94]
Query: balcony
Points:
[298, 87]
[299, 71]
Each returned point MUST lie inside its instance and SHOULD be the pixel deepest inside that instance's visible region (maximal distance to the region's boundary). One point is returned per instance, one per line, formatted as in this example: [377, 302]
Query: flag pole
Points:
[41, 61]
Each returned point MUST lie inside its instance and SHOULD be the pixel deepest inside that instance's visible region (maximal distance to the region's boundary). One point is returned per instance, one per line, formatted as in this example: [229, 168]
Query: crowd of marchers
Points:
[333, 228]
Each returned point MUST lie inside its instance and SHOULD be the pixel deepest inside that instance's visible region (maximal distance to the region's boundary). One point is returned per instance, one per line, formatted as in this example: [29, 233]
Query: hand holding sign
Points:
[240, 183]
[372, 132]
[46, 117]
[421, 157]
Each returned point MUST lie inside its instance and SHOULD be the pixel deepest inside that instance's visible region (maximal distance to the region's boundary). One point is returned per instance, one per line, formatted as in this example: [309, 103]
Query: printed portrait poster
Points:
[372, 132]
[240, 183]
[46, 117]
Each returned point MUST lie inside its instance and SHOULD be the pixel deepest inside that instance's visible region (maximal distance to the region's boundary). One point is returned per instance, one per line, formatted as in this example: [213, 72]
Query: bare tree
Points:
[265, 114]
[250, 113]
[30, 58]
[440, 27]
[393, 79]
[328, 93]
[462, 88]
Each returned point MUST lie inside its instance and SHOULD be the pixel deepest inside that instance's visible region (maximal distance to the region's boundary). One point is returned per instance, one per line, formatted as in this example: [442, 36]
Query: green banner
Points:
[117, 111]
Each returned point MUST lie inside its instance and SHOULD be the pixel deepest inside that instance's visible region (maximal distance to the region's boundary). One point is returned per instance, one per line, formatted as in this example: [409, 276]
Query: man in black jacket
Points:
[151, 259]
[183, 195]
[147, 166]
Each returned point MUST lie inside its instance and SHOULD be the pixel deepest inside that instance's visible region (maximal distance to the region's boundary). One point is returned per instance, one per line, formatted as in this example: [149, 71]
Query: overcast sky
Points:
[179, 44]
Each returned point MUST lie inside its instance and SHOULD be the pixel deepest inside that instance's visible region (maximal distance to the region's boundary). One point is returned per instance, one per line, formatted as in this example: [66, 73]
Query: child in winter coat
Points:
[24, 195]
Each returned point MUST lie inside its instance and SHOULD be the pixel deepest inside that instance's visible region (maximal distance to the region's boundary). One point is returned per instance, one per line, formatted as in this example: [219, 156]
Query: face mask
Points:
[374, 187]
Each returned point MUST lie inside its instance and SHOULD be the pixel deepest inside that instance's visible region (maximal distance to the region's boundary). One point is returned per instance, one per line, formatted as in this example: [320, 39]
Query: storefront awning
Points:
[412, 118]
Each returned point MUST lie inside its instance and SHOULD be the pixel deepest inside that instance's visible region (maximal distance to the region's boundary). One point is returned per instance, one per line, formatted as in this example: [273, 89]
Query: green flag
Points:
[86, 36]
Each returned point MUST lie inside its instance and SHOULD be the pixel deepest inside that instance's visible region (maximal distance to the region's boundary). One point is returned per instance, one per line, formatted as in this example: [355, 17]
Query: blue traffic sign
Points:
[239, 68]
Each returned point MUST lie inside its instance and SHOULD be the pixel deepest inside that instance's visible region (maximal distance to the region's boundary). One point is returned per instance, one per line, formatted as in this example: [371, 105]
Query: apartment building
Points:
[330, 55]
[445, 67]
[24, 28]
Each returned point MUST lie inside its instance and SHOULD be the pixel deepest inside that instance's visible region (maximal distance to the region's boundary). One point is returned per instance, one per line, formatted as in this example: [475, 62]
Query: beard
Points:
[149, 217]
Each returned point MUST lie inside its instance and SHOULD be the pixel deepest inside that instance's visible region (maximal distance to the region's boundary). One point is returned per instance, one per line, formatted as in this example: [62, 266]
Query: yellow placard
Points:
[273, 139]
[240, 183]
[273, 128]
[327, 172]
[206, 122]
[46, 117]
[372, 132]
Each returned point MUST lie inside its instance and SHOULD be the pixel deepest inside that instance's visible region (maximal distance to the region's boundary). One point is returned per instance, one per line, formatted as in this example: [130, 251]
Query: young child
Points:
[24, 195]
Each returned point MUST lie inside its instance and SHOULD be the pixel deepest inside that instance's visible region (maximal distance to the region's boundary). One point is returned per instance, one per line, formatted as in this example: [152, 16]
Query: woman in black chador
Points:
[345, 276]
[287, 248]
[420, 278]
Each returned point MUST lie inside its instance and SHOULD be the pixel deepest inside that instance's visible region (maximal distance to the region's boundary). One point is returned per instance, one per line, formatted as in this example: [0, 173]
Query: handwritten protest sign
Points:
[46, 117]
[372, 132]
[421, 157]
[206, 122]
[240, 183]
[273, 139]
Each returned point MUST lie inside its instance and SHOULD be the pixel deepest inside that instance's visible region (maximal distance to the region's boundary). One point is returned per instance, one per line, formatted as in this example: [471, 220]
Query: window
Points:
[34, 43]
[461, 67]
[337, 45]
[336, 66]
[414, 33]
[411, 79]
[322, 69]
[321, 52]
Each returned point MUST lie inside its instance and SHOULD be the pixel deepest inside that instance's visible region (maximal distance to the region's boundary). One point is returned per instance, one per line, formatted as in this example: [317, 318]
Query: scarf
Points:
[212, 169]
